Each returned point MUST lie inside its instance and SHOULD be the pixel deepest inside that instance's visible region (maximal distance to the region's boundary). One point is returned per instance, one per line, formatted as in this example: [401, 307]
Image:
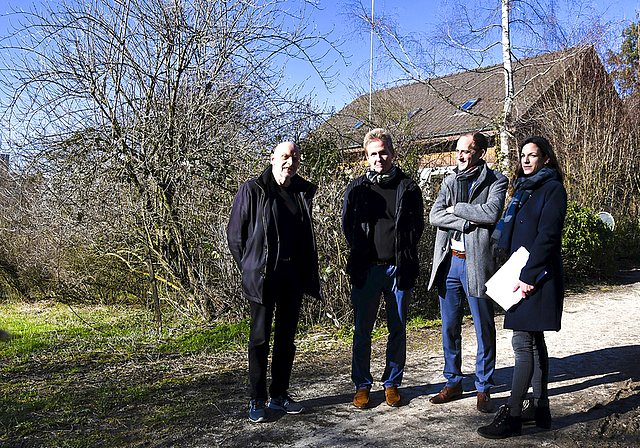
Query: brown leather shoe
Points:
[447, 394]
[392, 396]
[484, 402]
[361, 399]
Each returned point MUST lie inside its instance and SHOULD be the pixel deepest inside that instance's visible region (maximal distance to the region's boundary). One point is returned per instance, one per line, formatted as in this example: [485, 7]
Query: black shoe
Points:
[287, 404]
[538, 414]
[528, 411]
[503, 425]
[542, 416]
[257, 411]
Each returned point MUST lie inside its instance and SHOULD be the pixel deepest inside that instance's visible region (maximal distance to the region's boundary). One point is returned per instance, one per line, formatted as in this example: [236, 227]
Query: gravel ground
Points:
[594, 389]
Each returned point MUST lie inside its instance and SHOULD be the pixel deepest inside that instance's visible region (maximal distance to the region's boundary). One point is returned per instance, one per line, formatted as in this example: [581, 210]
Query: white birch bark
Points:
[505, 125]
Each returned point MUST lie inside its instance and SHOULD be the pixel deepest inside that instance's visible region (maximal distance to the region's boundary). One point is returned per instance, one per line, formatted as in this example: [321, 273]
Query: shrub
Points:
[587, 248]
[627, 239]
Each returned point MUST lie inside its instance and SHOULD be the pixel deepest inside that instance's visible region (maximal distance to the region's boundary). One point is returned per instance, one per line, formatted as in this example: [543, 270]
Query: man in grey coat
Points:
[468, 206]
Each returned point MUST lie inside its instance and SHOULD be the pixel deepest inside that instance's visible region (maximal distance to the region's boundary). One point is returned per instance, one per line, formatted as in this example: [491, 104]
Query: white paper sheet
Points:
[500, 286]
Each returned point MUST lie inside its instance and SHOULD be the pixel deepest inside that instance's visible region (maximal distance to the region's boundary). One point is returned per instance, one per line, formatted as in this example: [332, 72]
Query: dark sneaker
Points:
[503, 425]
[285, 403]
[257, 411]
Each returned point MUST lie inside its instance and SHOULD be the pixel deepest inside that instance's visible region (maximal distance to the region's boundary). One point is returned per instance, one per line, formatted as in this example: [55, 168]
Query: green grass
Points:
[380, 330]
[219, 338]
[92, 376]
[43, 327]
[418, 323]
[84, 376]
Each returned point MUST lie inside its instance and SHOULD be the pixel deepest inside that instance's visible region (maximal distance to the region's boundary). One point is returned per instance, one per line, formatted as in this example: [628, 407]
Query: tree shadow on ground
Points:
[581, 372]
[120, 401]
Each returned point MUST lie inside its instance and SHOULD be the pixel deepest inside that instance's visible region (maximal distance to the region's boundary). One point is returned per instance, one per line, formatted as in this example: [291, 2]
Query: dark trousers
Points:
[531, 368]
[381, 280]
[283, 297]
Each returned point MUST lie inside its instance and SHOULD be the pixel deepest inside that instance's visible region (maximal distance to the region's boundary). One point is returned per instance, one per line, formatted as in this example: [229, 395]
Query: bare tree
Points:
[593, 133]
[475, 34]
[141, 117]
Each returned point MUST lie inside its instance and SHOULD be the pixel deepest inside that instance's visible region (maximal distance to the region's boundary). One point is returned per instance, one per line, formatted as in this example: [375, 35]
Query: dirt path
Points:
[594, 389]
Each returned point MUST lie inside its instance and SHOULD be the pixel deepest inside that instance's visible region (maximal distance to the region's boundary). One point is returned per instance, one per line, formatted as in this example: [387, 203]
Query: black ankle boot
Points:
[542, 416]
[538, 414]
[503, 425]
[528, 411]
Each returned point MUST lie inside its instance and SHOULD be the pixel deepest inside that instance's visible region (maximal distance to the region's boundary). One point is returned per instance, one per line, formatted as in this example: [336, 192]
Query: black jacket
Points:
[356, 225]
[538, 228]
[253, 236]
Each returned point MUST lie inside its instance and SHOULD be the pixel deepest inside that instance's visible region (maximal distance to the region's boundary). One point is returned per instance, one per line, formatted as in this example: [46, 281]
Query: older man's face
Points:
[284, 162]
[465, 156]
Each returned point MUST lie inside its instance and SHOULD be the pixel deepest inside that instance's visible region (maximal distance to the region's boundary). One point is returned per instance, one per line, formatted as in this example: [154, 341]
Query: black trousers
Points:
[283, 298]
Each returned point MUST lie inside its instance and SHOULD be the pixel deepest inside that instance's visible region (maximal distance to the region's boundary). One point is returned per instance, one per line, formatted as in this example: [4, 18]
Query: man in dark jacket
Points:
[382, 219]
[271, 237]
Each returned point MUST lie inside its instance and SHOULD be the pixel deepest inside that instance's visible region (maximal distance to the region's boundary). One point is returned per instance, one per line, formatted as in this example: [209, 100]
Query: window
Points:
[469, 103]
[466, 106]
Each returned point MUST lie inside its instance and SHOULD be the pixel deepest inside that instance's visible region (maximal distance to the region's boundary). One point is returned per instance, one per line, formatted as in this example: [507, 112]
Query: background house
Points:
[430, 116]
[566, 96]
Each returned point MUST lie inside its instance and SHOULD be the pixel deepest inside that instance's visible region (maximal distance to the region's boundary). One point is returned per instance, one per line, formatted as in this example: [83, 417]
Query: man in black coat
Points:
[382, 219]
[271, 237]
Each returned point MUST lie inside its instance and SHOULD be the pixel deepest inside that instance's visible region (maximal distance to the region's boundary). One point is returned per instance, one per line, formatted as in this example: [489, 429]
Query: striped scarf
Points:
[378, 178]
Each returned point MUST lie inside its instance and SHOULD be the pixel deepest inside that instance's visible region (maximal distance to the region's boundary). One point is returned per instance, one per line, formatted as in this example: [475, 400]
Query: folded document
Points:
[500, 286]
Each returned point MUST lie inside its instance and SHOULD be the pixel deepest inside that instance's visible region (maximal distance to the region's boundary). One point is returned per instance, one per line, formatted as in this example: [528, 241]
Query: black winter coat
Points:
[538, 227]
[253, 237]
[356, 225]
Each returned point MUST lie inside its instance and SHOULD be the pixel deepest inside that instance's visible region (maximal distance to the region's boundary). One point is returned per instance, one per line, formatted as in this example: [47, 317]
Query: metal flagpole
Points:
[371, 66]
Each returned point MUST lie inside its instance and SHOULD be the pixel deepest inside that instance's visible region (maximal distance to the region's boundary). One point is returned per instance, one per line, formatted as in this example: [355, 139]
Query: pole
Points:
[371, 66]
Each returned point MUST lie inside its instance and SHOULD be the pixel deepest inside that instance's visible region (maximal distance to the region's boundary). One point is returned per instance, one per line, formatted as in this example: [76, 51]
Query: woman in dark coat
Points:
[534, 219]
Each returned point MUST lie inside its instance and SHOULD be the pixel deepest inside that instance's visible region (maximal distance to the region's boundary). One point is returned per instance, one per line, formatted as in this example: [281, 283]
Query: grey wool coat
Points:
[486, 202]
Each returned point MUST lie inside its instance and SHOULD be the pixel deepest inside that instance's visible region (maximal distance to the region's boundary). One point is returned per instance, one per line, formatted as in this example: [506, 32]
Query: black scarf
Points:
[523, 187]
[463, 179]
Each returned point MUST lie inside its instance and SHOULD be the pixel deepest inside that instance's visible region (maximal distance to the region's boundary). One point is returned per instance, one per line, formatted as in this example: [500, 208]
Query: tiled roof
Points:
[431, 109]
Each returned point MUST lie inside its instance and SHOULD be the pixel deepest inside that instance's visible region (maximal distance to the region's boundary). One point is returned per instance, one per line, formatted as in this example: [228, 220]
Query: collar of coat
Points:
[268, 183]
[484, 170]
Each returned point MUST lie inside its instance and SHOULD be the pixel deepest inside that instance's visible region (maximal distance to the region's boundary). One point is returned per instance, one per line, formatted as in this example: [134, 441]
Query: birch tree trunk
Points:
[506, 125]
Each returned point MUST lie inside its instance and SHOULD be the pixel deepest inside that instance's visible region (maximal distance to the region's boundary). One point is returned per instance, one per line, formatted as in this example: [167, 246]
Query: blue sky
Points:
[351, 75]
[413, 16]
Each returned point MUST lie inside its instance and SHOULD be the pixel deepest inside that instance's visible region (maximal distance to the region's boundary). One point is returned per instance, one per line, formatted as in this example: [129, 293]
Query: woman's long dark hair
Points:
[546, 150]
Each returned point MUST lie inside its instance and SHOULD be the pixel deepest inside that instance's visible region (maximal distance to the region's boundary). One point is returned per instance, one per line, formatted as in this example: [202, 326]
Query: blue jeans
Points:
[452, 292]
[531, 368]
[365, 300]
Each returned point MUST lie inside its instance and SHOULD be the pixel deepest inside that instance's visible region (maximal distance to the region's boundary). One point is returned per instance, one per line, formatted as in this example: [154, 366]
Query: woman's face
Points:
[532, 159]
